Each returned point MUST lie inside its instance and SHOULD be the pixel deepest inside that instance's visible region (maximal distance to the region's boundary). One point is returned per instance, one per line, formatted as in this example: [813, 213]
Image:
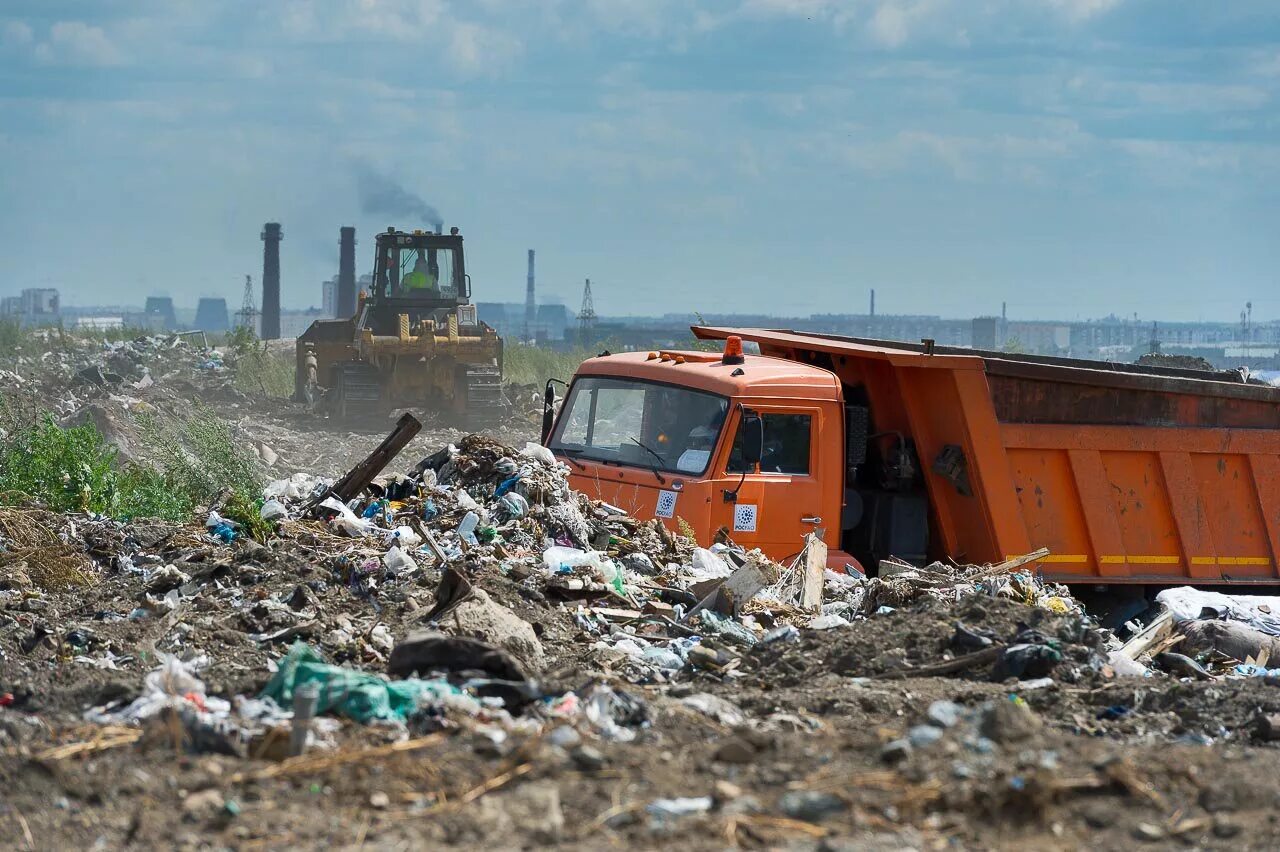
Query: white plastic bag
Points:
[402, 536]
[540, 453]
[272, 509]
[399, 562]
[709, 566]
[346, 519]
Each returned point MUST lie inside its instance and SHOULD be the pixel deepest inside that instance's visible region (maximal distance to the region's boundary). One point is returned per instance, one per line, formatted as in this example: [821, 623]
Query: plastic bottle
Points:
[467, 529]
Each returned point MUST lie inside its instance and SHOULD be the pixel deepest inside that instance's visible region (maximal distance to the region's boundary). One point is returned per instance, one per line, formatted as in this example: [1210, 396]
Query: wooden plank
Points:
[1154, 633]
[814, 566]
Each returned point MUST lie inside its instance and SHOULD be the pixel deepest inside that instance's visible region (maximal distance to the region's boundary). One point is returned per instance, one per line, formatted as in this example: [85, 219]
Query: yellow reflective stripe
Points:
[1081, 558]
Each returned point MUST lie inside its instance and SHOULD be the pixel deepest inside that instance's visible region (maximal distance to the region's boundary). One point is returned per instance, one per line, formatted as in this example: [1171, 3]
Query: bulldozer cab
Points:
[419, 274]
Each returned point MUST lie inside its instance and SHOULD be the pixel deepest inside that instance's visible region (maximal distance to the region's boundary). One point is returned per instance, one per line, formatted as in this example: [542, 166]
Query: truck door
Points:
[781, 499]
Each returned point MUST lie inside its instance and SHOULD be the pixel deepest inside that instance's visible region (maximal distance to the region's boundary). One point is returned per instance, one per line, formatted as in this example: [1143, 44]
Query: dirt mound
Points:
[921, 636]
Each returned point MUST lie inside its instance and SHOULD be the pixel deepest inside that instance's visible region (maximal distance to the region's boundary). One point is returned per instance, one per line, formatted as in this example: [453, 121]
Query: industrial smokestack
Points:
[346, 306]
[530, 303]
[873, 301]
[271, 237]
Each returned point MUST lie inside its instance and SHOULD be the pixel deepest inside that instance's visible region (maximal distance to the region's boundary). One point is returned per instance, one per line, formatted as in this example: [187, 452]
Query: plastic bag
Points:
[514, 506]
[346, 519]
[403, 537]
[272, 509]
[399, 562]
[708, 566]
[358, 695]
[539, 453]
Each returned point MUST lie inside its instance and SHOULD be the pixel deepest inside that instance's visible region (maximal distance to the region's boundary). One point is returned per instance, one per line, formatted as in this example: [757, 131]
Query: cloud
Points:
[451, 33]
[474, 49]
[1268, 66]
[78, 43]
[1168, 96]
[1078, 11]
[18, 34]
[892, 22]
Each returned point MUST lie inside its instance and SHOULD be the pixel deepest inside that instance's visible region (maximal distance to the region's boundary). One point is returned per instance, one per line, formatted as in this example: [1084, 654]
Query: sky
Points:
[1073, 158]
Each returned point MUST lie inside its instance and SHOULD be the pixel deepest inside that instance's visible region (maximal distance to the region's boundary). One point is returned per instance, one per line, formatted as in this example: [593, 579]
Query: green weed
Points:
[72, 469]
[258, 369]
[69, 470]
[533, 365]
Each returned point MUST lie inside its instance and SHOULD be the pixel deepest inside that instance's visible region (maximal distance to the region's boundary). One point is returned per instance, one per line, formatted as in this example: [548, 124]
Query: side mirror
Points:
[752, 438]
[548, 410]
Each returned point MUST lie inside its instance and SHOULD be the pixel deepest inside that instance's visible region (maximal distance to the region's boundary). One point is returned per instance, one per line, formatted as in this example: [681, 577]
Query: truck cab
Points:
[720, 443]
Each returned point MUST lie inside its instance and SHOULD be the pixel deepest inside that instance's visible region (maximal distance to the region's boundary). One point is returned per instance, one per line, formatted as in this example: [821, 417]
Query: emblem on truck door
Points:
[666, 507]
[744, 518]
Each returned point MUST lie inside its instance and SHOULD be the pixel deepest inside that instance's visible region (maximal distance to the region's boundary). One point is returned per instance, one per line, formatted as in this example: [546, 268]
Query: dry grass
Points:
[36, 554]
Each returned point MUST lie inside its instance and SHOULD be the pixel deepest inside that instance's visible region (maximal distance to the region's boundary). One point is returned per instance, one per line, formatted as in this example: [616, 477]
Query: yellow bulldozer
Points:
[415, 340]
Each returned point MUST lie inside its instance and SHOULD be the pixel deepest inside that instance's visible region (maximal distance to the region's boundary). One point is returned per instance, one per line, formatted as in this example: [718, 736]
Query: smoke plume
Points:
[380, 195]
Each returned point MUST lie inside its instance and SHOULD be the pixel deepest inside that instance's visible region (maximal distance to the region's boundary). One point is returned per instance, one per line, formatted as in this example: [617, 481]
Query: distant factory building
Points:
[34, 306]
[159, 313]
[211, 315]
[99, 323]
[508, 319]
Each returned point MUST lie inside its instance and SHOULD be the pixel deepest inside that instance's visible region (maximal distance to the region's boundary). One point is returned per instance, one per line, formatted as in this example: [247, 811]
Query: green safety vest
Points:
[418, 281]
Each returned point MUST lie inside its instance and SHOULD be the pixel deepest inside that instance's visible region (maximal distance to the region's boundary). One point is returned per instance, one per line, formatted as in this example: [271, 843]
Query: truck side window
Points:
[786, 445]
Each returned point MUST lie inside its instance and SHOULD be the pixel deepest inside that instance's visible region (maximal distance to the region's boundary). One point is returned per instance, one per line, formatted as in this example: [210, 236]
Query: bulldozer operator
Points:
[423, 277]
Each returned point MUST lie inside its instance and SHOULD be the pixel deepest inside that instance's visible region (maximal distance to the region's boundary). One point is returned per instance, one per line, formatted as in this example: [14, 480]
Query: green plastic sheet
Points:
[360, 696]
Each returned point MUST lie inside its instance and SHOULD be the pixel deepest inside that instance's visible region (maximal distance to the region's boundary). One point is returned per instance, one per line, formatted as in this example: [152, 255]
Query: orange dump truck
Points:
[1128, 474]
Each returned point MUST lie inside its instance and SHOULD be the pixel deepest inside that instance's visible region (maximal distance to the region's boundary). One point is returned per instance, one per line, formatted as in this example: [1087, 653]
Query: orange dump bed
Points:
[1128, 474]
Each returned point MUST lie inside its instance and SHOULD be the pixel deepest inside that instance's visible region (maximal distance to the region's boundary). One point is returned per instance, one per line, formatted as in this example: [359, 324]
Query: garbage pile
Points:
[68, 371]
[1206, 635]
[467, 628]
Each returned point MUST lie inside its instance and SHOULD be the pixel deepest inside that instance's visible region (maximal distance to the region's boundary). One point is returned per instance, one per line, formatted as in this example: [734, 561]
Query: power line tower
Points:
[247, 316]
[587, 315]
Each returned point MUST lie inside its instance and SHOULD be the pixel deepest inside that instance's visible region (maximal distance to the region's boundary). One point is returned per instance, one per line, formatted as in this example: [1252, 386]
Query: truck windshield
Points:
[640, 423]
